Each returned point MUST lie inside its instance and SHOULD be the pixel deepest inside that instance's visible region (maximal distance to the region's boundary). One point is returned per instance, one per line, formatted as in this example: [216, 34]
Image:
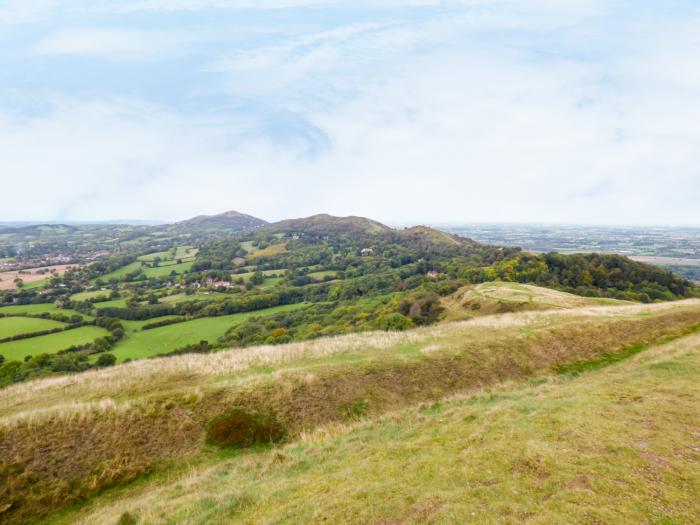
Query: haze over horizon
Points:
[424, 111]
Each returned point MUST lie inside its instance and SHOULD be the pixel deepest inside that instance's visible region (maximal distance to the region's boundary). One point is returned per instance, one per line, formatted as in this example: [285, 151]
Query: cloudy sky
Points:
[584, 111]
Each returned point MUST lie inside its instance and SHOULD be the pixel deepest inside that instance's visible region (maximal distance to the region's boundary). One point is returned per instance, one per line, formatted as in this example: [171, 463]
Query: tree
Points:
[152, 299]
[2, 359]
[19, 283]
[257, 278]
[106, 360]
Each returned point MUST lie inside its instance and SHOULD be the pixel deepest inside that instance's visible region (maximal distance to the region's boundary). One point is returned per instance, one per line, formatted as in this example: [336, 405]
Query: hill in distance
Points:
[325, 224]
[230, 220]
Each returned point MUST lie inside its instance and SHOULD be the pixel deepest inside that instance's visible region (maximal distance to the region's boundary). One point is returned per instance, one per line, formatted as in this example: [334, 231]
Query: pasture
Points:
[85, 296]
[33, 309]
[50, 344]
[11, 326]
[147, 343]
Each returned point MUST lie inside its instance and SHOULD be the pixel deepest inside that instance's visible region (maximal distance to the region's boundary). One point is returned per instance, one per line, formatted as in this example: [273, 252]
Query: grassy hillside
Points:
[141, 428]
[498, 297]
[616, 445]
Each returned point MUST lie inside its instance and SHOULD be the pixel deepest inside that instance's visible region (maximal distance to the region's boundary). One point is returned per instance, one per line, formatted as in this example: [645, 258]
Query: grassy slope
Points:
[156, 341]
[49, 344]
[616, 445]
[10, 326]
[90, 427]
[500, 297]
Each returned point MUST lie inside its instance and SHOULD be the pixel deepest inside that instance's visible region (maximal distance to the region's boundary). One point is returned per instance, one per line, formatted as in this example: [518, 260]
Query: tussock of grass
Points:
[55, 453]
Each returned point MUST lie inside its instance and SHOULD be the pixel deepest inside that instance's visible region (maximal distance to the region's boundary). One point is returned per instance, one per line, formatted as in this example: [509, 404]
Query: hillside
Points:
[230, 220]
[324, 224]
[349, 411]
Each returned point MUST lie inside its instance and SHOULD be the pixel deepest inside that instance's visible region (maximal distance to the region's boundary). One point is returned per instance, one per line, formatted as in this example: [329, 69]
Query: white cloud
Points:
[120, 44]
[532, 113]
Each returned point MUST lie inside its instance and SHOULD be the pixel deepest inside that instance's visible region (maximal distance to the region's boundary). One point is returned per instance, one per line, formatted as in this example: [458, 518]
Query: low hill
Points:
[500, 297]
[230, 220]
[324, 224]
[354, 416]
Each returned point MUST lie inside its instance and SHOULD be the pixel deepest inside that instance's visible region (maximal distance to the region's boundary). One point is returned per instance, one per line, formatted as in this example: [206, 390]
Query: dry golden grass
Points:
[500, 297]
[64, 439]
[618, 445]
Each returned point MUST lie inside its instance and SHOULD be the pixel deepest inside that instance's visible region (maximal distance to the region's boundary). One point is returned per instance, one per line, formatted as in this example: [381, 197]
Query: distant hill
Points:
[230, 220]
[325, 224]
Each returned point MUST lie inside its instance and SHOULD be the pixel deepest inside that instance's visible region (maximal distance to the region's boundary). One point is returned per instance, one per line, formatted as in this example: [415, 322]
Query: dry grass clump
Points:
[59, 452]
[238, 428]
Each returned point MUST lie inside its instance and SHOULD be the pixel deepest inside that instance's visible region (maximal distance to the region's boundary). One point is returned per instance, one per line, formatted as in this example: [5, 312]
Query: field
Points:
[49, 344]
[588, 412]
[120, 272]
[181, 252]
[183, 298]
[165, 270]
[114, 303]
[31, 278]
[10, 326]
[84, 296]
[33, 309]
[147, 343]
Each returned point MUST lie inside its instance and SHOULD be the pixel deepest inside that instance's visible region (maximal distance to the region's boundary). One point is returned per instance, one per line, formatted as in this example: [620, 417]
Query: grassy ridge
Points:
[100, 419]
[613, 446]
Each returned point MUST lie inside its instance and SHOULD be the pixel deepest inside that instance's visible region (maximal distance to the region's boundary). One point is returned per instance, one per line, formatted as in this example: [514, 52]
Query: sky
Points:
[584, 111]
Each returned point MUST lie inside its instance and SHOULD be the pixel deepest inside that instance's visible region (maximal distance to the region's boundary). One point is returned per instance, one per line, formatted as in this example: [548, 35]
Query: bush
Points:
[106, 360]
[237, 428]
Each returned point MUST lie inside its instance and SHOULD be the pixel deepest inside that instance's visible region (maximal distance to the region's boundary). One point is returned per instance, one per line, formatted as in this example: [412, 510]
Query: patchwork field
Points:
[49, 344]
[148, 343]
[84, 296]
[33, 309]
[11, 326]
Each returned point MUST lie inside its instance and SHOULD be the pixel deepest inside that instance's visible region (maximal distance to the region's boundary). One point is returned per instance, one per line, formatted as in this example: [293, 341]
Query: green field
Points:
[164, 271]
[119, 273]
[148, 343]
[84, 296]
[321, 275]
[246, 276]
[182, 252]
[50, 344]
[11, 326]
[43, 308]
[115, 303]
[36, 284]
[183, 298]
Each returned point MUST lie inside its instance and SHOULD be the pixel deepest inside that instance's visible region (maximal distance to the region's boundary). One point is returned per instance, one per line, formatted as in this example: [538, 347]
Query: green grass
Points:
[183, 298]
[148, 343]
[246, 276]
[164, 271]
[11, 326]
[320, 275]
[119, 273]
[84, 296]
[182, 252]
[36, 284]
[614, 445]
[114, 303]
[52, 343]
[32, 309]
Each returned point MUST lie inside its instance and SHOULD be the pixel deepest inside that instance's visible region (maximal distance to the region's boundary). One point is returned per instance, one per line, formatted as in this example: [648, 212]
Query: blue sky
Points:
[411, 111]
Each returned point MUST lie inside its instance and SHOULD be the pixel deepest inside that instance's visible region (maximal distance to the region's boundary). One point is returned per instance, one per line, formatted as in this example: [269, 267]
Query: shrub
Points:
[237, 428]
[106, 360]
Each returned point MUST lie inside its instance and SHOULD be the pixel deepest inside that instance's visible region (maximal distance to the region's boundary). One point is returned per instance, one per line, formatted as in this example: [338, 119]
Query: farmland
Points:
[31, 277]
[11, 326]
[49, 344]
[148, 343]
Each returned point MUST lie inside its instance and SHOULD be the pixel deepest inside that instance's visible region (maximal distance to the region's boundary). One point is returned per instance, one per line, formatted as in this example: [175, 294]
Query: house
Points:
[432, 275]
[366, 251]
